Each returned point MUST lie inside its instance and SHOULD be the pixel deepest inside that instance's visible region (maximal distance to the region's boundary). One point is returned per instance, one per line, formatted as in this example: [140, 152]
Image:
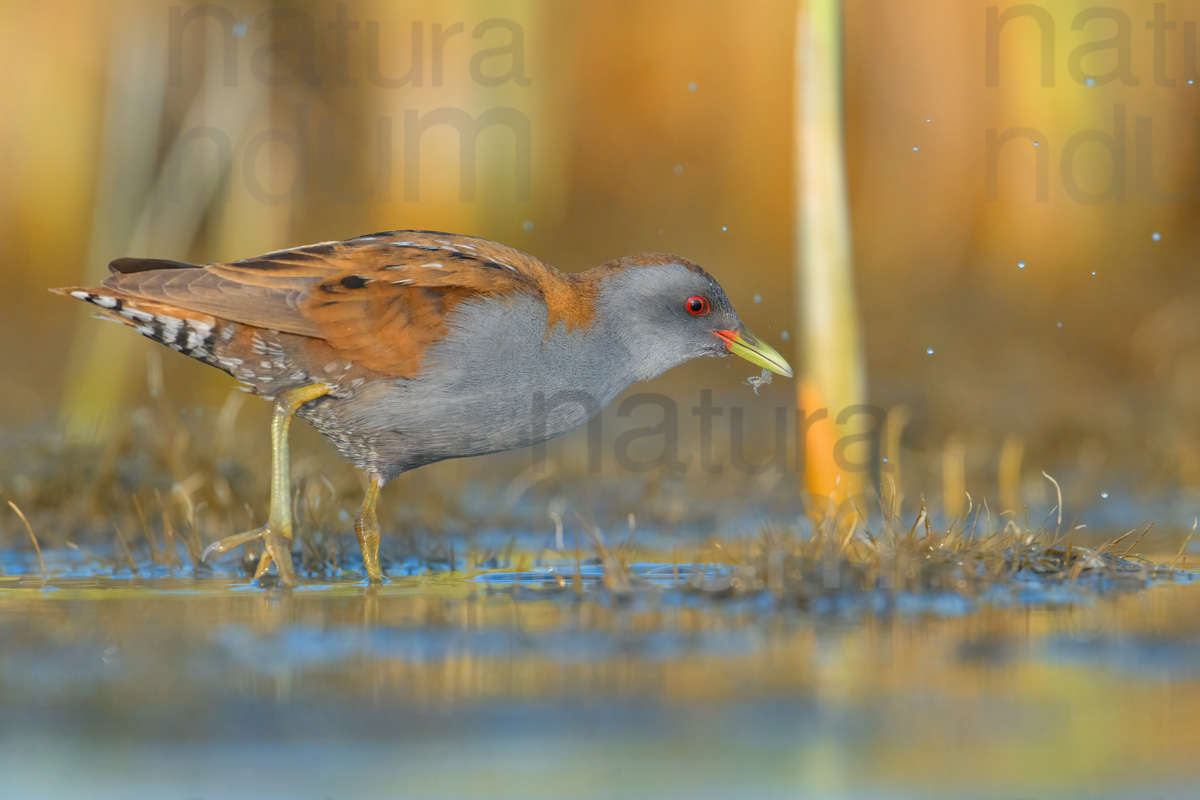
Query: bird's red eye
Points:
[697, 306]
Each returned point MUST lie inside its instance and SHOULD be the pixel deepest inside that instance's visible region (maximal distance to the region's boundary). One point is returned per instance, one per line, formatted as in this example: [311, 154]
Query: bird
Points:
[410, 347]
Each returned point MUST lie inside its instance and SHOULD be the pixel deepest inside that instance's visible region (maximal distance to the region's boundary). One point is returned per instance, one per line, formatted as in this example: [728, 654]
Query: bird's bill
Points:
[743, 342]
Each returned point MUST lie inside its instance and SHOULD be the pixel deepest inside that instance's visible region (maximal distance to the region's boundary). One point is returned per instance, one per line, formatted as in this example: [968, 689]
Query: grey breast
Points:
[495, 382]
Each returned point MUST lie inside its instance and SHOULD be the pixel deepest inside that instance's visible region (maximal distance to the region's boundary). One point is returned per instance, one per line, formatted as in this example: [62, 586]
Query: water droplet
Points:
[784, 335]
[678, 169]
[1037, 144]
[528, 226]
[915, 149]
[929, 351]
[692, 87]
[1104, 495]
[1060, 324]
[758, 298]
[724, 227]
[1093, 273]
[927, 119]
[1020, 265]
[885, 459]
[1156, 236]
[1089, 81]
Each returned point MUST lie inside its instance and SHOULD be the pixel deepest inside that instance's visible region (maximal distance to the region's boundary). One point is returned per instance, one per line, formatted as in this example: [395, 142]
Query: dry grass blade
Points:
[32, 538]
[141, 515]
[1129, 549]
[125, 546]
[1182, 554]
[1059, 506]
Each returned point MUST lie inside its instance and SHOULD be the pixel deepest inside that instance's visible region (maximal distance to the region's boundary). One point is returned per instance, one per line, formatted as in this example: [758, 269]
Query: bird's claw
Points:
[277, 548]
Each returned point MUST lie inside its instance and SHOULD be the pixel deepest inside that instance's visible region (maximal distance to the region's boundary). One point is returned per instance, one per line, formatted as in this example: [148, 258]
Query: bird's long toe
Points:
[229, 542]
[277, 549]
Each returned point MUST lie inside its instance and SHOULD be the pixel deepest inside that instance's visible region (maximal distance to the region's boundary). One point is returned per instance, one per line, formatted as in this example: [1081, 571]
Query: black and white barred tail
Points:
[267, 362]
[192, 336]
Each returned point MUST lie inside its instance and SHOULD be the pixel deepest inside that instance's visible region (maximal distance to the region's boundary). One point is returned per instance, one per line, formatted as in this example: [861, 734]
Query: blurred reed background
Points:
[217, 131]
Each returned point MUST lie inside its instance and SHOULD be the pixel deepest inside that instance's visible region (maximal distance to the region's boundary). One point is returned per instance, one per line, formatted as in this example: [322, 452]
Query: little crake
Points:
[411, 347]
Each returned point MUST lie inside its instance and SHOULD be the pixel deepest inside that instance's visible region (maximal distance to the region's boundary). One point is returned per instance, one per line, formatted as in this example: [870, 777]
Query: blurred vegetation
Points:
[651, 126]
[831, 368]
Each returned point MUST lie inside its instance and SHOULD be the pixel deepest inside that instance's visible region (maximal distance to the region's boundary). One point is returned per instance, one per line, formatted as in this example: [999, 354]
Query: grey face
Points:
[670, 313]
[666, 315]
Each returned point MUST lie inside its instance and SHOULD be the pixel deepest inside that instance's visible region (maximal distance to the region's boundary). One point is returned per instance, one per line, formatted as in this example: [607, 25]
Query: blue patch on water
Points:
[299, 646]
[592, 574]
[1144, 655]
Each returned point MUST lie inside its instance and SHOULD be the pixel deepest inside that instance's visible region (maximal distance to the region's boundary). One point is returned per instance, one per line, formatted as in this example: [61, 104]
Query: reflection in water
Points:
[434, 678]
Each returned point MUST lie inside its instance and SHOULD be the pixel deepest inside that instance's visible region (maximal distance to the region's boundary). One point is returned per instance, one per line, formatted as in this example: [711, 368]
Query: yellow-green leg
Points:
[277, 533]
[366, 525]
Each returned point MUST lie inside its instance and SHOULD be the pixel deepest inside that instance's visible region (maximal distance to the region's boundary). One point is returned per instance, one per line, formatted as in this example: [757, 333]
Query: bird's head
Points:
[667, 310]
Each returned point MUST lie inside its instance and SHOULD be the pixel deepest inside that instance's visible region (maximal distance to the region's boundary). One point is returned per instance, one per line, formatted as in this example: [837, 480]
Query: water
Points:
[518, 682]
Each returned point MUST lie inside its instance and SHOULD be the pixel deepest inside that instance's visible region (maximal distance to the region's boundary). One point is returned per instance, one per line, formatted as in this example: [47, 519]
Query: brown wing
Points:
[378, 300]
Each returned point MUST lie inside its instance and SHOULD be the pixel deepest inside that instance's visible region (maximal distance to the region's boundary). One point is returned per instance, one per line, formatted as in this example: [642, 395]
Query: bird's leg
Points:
[366, 525]
[277, 533]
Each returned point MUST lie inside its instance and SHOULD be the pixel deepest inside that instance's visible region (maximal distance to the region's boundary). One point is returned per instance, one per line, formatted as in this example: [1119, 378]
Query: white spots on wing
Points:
[105, 302]
[467, 246]
[171, 327]
[347, 368]
[257, 345]
[139, 315]
[434, 265]
[265, 364]
[298, 376]
[200, 325]
[81, 296]
[402, 282]
[145, 330]
[330, 367]
[195, 343]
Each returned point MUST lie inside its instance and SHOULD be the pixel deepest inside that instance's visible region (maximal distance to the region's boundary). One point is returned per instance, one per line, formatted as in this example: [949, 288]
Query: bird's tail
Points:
[188, 332]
